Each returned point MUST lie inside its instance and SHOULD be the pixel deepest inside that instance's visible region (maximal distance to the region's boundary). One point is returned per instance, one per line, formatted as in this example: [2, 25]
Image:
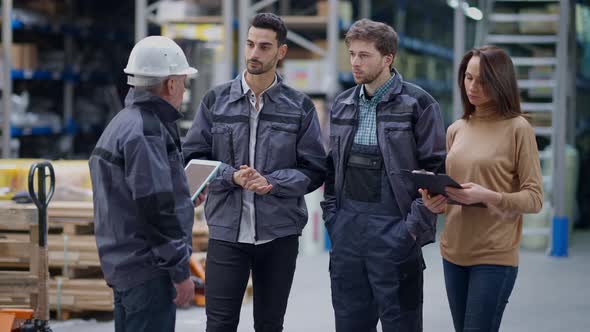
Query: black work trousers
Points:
[228, 267]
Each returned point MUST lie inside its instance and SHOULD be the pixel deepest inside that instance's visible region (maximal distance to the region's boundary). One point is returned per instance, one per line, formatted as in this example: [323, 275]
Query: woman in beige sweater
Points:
[492, 152]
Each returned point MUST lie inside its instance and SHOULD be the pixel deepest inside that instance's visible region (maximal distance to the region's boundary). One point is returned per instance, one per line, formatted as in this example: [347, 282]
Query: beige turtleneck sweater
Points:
[501, 155]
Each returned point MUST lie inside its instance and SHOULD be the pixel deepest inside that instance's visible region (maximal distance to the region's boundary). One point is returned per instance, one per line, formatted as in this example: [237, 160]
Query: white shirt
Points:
[248, 221]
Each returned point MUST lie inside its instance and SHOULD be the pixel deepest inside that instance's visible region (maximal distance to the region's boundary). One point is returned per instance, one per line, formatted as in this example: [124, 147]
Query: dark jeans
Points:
[227, 270]
[478, 294]
[147, 307]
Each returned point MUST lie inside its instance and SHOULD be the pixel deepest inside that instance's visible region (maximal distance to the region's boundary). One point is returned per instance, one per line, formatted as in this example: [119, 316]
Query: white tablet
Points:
[199, 173]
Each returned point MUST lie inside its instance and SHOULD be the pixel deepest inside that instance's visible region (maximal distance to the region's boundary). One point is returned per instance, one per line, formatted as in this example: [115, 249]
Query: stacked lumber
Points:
[200, 236]
[65, 295]
[76, 295]
[19, 277]
[64, 251]
[76, 283]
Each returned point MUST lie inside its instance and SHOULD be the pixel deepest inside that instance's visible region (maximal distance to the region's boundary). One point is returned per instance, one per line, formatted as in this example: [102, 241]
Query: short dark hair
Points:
[498, 80]
[272, 22]
[381, 34]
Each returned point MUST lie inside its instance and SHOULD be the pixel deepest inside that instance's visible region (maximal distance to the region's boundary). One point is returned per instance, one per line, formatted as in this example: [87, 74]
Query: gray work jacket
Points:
[289, 153]
[143, 213]
[410, 135]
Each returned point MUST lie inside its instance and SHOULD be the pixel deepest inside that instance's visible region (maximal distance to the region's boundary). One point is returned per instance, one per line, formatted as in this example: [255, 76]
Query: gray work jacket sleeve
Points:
[429, 133]
[147, 173]
[199, 145]
[310, 172]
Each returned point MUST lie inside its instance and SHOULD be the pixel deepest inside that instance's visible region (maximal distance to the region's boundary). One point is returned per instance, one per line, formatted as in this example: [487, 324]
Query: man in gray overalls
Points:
[375, 217]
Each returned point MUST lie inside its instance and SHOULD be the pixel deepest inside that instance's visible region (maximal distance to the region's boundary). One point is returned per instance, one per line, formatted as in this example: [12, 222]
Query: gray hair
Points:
[155, 89]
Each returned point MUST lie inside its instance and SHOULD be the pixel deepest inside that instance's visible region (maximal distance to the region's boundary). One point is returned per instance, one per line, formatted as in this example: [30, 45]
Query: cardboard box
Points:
[24, 56]
[72, 179]
[15, 53]
[297, 52]
[169, 11]
[342, 54]
[305, 75]
[322, 8]
[30, 56]
[540, 27]
[541, 73]
[50, 8]
[505, 28]
[14, 175]
[344, 11]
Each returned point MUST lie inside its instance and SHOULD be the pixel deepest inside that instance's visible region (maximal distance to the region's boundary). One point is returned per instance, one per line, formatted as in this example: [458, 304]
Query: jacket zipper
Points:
[254, 163]
[348, 146]
[381, 148]
[231, 146]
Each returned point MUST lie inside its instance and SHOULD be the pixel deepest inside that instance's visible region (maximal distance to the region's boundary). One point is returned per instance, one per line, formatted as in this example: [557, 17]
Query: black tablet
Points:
[435, 183]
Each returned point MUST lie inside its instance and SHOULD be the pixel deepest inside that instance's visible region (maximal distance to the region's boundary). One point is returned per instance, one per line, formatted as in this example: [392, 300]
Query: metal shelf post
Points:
[458, 49]
[6, 78]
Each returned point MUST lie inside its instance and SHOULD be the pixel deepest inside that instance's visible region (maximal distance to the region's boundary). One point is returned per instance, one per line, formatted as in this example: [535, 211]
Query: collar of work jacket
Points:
[148, 101]
[394, 90]
[236, 92]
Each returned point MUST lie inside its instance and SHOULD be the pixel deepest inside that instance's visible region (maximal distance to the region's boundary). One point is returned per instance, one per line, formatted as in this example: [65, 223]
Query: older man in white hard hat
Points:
[143, 212]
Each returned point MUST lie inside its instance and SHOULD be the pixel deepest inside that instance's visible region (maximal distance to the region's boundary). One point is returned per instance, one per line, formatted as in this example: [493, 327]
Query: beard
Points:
[255, 67]
[367, 78]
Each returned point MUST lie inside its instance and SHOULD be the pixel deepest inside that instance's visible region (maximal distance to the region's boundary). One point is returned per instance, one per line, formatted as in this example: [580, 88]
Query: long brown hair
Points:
[498, 81]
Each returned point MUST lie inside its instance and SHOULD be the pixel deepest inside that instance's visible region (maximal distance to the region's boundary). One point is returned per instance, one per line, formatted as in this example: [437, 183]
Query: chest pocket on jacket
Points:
[402, 146]
[222, 145]
[282, 147]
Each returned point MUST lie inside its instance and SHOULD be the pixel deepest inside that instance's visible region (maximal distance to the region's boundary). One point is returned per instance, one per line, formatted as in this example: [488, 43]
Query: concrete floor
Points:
[550, 295]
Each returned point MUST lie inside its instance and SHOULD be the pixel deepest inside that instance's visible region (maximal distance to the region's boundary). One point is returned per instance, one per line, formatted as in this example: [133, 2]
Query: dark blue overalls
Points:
[376, 267]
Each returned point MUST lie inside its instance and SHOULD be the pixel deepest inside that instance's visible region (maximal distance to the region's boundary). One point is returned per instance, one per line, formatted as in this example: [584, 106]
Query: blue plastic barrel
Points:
[559, 237]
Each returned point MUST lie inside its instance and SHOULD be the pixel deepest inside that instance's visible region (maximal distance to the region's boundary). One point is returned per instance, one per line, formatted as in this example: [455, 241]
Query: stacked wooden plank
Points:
[200, 236]
[76, 282]
[20, 285]
[64, 251]
[68, 296]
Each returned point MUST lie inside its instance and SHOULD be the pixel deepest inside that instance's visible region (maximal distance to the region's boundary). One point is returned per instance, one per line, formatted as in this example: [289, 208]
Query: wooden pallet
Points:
[78, 295]
[26, 283]
[66, 296]
[64, 251]
[71, 252]
[200, 236]
[76, 285]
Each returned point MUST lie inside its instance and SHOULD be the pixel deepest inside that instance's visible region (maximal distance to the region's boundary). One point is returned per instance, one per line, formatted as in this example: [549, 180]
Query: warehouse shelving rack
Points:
[69, 76]
[330, 23]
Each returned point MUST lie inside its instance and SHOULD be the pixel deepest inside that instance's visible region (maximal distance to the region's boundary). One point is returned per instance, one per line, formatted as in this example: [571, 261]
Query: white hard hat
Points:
[153, 59]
